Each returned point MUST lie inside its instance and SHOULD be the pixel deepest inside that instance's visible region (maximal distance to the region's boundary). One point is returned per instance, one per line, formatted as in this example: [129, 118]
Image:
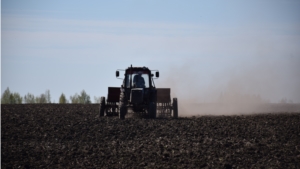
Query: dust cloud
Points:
[264, 85]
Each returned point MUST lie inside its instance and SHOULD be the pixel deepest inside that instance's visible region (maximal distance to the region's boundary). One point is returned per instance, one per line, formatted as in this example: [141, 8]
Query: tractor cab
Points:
[137, 77]
[138, 86]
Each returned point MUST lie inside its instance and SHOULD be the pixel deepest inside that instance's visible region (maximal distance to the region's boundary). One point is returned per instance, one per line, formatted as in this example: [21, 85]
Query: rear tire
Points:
[152, 110]
[122, 106]
[175, 108]
[102, 106]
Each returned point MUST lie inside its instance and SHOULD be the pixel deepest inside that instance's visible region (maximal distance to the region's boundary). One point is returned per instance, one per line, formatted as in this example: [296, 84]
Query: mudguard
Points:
[163, 95]
[113, 94]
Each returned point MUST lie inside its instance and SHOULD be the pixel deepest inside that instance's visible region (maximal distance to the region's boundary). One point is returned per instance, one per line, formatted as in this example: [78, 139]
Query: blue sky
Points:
[201, 48]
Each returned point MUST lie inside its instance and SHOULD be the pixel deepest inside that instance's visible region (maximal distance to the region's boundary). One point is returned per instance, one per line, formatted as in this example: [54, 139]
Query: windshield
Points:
[138, 80]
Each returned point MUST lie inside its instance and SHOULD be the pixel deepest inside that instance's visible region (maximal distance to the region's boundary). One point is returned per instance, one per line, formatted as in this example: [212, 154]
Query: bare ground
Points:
[73, 136]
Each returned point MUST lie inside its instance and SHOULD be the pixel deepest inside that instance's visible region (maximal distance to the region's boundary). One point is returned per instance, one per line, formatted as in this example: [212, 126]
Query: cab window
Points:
[136, 80]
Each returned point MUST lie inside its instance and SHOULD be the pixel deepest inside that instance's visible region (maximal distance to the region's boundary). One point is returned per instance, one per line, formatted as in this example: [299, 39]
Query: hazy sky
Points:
[201, 48]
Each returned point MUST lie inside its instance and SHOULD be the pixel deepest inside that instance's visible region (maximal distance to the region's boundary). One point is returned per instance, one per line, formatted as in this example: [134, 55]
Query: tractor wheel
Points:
[122, 106]
[175, 108]
[152, 110]
[102, 106]
[122, 112]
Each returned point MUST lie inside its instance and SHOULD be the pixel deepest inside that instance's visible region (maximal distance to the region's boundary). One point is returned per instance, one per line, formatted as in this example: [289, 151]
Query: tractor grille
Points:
[136, 95]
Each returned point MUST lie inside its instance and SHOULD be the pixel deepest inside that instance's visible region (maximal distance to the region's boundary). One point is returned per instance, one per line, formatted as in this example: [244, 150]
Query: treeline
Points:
[9, 97]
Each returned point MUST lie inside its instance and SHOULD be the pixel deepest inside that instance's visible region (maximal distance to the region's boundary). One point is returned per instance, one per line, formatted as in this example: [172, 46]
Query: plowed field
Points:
[73, 136]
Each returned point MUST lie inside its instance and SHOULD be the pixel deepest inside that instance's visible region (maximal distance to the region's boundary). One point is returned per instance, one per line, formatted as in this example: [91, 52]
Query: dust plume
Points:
[265, 85]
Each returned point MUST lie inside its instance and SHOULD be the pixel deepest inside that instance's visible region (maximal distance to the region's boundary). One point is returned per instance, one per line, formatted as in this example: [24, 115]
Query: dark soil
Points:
[73, 136]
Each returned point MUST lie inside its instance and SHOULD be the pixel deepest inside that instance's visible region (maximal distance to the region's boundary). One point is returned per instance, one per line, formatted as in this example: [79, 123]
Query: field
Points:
[73, 136]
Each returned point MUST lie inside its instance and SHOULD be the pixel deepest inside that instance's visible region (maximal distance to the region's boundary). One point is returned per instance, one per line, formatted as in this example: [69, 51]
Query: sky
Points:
[201, 48]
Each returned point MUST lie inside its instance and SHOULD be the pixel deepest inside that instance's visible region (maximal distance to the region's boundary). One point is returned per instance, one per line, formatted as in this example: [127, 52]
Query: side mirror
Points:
[152, 75]
[157, 74]
[117, 73]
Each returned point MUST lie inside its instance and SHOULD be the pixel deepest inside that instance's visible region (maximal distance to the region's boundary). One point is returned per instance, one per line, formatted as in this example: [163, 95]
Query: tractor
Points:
[138, 96]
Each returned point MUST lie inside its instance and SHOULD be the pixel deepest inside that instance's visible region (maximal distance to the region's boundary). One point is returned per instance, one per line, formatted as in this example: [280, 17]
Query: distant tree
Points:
[41, 99]
[17, 98]
[5, 98]
[11, 98]
[83, 98]
[29, 98]
[37, 99]
[97, 99]
[75, 98]
[62, 99]
[48, 97]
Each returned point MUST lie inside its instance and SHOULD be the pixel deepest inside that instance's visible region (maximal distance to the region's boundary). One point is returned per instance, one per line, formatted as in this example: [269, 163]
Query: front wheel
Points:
[122, 106]
[102, 106]
[175, 108]
[122, 112]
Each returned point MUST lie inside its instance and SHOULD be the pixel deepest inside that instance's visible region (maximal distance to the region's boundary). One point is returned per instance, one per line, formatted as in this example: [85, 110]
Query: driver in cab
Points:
[138, 81]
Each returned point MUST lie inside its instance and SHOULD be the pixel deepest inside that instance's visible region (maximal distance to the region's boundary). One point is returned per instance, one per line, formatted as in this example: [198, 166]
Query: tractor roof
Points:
[143, 69]
[137, 67]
